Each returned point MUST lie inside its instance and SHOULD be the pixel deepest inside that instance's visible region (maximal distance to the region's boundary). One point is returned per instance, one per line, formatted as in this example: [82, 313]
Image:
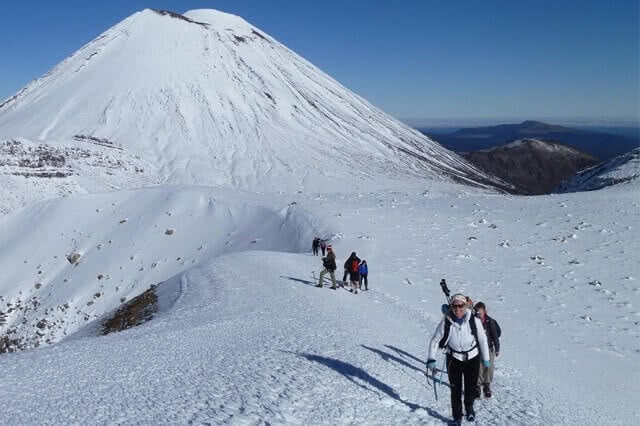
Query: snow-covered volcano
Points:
[207, 98]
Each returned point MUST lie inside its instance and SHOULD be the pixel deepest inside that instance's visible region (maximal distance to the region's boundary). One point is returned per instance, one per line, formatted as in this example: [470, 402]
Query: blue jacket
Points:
[363, 269]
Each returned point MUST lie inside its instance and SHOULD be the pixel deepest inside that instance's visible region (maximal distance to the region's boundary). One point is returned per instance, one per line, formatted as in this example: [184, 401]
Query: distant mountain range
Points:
[604, 146]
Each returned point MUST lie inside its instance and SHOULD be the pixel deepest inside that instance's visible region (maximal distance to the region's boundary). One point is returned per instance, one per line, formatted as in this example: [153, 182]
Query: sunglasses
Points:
[458, 306]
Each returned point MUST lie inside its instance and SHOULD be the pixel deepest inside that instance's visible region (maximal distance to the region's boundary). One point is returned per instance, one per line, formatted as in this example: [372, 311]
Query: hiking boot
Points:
[333, 287]
[355, 292]
[319, 285]
[455, 422]
[471, 417]
[486, 390]
[350, 290]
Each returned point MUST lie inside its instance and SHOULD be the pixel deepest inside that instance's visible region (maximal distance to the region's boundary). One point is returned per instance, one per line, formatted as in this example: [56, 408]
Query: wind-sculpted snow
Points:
[207, 98]
[67, 263]
[621, 171]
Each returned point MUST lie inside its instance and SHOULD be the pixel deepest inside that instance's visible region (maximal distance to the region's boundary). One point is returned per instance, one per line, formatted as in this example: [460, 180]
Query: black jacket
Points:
[490, 327]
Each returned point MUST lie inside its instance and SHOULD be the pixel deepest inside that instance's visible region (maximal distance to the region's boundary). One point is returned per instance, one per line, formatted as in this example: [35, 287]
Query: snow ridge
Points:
[623, 170]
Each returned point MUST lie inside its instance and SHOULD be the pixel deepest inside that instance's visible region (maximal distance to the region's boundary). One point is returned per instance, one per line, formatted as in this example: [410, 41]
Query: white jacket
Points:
[461, 339]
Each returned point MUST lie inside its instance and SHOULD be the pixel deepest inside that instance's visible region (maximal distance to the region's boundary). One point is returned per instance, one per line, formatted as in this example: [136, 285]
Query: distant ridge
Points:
[599, 144]
[620, 171]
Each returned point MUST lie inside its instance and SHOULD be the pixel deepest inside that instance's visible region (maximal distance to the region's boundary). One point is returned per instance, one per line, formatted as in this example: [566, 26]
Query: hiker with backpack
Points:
[492, 329]
[363, 270]
[315, 245]
[461, 336]
[351, 268]
[329, 263]
[323, 246]
[355, 275]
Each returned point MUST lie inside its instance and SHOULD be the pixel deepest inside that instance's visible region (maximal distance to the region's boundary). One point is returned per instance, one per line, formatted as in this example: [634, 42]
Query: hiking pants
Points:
[323, 250]
[486, 374]
[363, 277]
[315, 251]
[460, 371]
[332, 273]
[344, 277]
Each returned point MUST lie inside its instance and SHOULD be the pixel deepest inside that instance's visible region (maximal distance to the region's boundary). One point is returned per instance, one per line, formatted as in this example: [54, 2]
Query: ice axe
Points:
[445, 290]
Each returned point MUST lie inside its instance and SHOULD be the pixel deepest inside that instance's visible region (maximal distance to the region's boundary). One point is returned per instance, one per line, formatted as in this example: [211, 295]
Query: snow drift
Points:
[70, 261]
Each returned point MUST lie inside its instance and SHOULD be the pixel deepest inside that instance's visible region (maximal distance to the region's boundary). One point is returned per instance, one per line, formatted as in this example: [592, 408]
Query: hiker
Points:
[354, 274]
[461, 335]
[363, 270]
[323, 246]
[329, 263]
[491, 328]
[314, 246]
[349, 267]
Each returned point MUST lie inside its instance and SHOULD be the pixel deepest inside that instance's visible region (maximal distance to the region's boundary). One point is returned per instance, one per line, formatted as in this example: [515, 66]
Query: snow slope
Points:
[623, 170]
[206, 98]
[127, 241]
[243, 337]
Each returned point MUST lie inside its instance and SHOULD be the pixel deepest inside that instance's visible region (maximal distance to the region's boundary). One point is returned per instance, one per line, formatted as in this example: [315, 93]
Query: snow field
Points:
[245, 338]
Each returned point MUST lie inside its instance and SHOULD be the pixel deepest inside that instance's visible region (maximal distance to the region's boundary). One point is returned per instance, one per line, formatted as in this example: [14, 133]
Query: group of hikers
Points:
[470, 338]
[467, 335]
[356, 269]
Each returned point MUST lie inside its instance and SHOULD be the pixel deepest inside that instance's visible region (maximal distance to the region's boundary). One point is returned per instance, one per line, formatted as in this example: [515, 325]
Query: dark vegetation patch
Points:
[178, 16]
[135, 312]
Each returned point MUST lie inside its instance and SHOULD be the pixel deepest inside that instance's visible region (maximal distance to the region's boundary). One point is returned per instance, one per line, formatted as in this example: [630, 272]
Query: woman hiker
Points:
[461, 335]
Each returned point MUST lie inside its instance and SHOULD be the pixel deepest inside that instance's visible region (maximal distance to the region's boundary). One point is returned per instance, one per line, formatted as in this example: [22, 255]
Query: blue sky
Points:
[427, 61]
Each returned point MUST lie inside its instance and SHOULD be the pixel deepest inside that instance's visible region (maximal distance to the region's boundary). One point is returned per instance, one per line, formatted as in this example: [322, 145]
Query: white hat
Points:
[459, 297]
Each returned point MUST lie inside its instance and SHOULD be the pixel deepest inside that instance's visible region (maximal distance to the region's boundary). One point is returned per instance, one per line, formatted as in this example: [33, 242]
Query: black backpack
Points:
[498, 330]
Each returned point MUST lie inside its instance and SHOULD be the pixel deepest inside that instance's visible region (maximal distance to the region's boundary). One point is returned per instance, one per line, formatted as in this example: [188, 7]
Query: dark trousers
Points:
[323, 249]
[363, 278]
[344, 277]
[315, 251]
[460, 371]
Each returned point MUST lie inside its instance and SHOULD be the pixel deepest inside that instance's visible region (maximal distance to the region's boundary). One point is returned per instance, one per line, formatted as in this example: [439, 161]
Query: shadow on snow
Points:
[365, 380]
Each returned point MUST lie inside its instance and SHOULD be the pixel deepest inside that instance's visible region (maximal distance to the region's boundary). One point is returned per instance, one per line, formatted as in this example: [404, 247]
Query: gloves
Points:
[431, 365]
[486, 364]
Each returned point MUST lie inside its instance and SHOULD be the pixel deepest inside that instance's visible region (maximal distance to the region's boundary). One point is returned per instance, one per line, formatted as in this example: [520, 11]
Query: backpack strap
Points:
[445, 337]
[474, 327]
